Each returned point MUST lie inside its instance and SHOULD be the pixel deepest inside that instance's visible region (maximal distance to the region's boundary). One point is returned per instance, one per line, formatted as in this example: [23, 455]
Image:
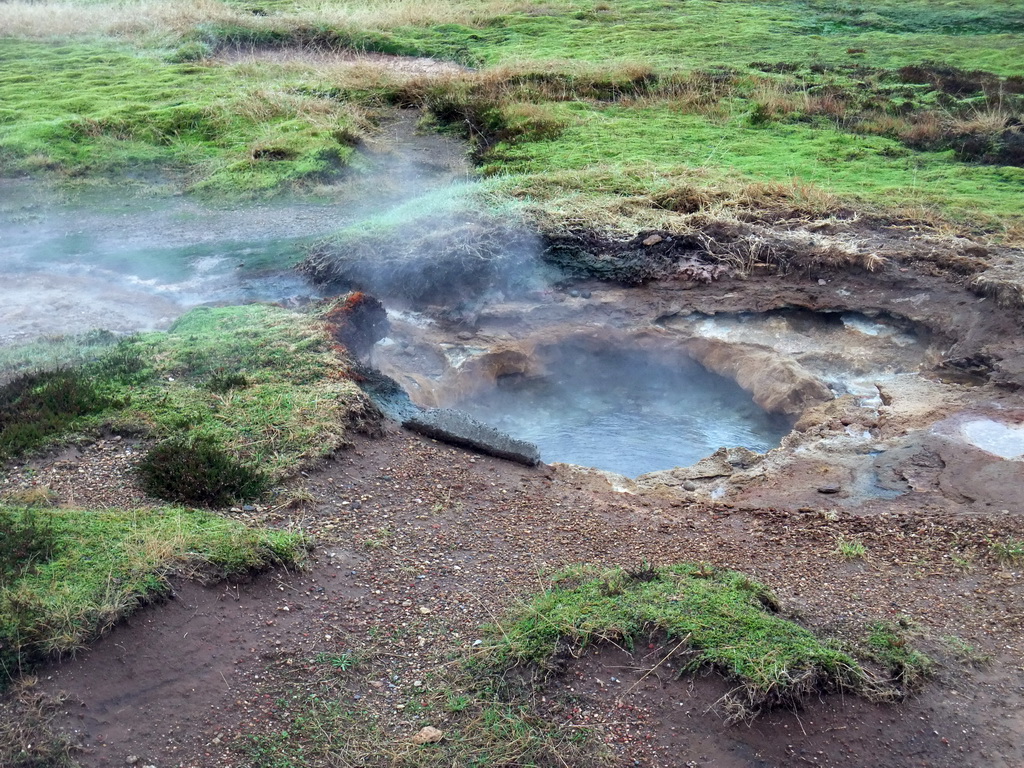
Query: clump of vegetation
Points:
[31, 496]
[29, 734]
[226, 389]
[965, 652]
[70, 575]
[1009, 550]
[318, 723]
[850, 549]
[496, 708]
[888, 644]
[195, 469]
[222, 383]
[26, 539]
[712, 618]
[34, 407]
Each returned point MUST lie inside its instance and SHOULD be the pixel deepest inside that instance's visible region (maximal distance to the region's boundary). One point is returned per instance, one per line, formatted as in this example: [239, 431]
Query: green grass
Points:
[703, 33]
[36, 406]
[100, 109]
[888, 644]
[1009, 551]
[712, 618]
[850, 549]
[67, 576]
[53, 352]
[496, 706]
[84, 109]
[262, 384]
[321, 718]
[657, 140]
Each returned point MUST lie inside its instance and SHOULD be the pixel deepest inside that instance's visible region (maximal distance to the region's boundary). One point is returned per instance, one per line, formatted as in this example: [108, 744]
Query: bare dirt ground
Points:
[420, 543]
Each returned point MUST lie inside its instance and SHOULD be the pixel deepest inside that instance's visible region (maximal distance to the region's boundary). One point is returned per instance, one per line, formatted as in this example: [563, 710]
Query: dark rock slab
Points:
[461, 429]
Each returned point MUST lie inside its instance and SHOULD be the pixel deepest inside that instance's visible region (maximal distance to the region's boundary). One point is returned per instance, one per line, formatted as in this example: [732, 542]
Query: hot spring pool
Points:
[626, 412]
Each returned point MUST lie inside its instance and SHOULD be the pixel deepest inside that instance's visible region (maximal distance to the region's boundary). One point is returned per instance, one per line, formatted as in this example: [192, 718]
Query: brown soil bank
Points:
[421, 543]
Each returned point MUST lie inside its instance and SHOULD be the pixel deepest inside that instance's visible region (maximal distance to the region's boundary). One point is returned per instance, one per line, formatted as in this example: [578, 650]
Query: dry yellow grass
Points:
[20, 18]
[125, 19]
[989, 121]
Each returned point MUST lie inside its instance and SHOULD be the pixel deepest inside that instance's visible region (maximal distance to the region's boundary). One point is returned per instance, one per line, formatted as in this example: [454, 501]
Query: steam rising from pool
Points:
[135, 259]
[627, 412]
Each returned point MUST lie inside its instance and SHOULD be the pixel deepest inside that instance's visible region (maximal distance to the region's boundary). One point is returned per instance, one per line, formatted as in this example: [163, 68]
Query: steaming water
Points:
[627, 413]
[1005, 440]
[129, 260]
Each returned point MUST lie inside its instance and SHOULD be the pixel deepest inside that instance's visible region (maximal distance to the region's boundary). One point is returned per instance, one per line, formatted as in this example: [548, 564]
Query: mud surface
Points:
[682, 719]
[420, 543]
[405, 524]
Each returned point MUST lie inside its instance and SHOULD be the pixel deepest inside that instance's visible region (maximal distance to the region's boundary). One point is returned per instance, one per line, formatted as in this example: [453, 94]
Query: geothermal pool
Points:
[627, 412]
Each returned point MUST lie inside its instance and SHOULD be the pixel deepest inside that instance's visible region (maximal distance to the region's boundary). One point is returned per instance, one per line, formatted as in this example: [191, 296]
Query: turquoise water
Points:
[627, 413]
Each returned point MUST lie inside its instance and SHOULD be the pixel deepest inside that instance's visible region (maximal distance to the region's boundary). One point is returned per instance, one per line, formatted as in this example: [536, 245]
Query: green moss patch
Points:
[709, 618]
[254, 386]
[659, 140]
[67, 576]
[98, 109]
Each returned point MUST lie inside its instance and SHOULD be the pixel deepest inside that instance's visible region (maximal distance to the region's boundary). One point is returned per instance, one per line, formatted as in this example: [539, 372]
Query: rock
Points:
[778, 383]
[689, 485]
[358, 321]
[464, 335]
[461, 429]
[724, 462]
[131, 759]
[829, 488]
[428, 734]
[653, 240]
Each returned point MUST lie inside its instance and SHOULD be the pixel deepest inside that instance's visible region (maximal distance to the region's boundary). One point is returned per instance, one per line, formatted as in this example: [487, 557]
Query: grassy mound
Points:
[228, 389]
[37, 405]
[497, 706]
[196, 470]
[67, 576]
[710, 618]
[106, 110]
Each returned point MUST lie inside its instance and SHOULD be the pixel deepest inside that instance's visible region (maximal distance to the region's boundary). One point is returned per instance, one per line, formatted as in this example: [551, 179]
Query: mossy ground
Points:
[264, 383]
[800, 92]
[66, 575]
[105, 110]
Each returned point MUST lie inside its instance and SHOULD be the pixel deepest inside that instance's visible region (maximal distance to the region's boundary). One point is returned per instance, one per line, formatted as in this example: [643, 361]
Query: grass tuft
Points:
[716, 619]
[888, 645]
[850, 549]
[70, 575]
[35, 407]
[30, 736]
[196, 469]
[1008, 551]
